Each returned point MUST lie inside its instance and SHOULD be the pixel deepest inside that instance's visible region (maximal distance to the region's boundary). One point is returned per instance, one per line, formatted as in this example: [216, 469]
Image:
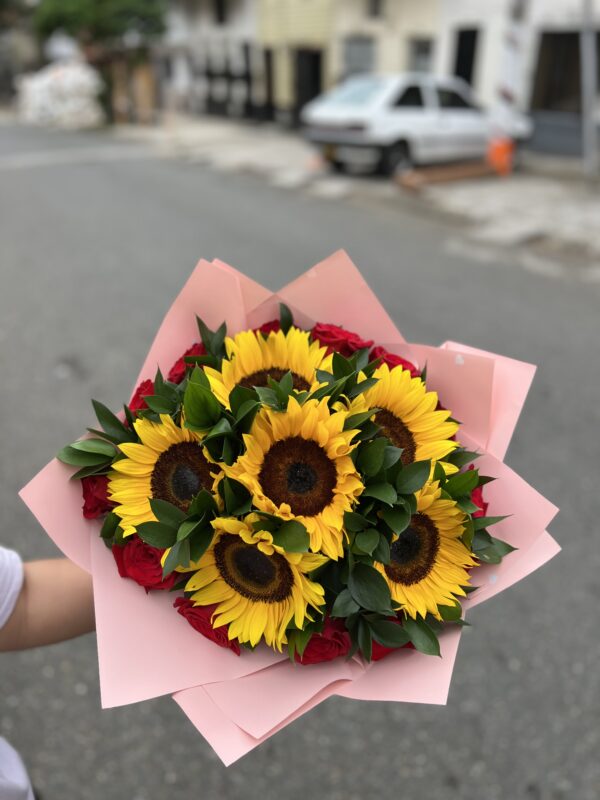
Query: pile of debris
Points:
[63, 95]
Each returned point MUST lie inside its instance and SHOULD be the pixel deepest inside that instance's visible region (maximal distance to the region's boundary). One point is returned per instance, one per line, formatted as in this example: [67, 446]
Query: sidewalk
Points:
[231, 145]
[518, 211]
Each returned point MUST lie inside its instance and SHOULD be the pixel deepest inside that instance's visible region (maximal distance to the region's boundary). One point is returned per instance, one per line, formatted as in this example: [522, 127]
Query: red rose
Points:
[477, 498]
[335, 338]
[332, 642]
[199, 618]
[177, 372]
[141, 562]
[137, 402]
[268, 327]
[393, 360]
[95, 496]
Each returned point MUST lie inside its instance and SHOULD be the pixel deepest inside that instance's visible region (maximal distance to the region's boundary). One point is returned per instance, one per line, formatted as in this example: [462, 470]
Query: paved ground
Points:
[96, 238]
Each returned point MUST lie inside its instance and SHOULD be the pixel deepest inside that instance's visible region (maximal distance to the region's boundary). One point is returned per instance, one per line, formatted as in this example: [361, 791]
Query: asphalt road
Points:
[94, 246]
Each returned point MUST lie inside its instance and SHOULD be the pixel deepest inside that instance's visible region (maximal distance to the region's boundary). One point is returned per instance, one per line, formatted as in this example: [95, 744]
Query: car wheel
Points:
[395, 158]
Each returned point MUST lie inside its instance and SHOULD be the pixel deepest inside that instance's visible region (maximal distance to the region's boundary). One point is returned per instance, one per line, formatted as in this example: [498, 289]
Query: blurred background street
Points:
[197, 153]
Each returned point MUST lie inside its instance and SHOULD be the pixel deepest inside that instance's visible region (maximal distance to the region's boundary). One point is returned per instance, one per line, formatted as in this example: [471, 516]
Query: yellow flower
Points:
[258, 587]
[429, 562]
[409, 418]
[252, 359]
[297, 465]
[169, 464]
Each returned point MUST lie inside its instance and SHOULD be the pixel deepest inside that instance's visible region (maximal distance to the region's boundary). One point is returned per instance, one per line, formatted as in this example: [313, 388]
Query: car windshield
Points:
[356, 91]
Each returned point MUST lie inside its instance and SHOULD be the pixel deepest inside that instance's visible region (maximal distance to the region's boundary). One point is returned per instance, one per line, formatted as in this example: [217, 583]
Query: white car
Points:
[392, 122]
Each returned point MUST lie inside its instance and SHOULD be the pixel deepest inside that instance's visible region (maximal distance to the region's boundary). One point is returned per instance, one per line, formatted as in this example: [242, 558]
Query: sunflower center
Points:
[252, 573]
[261, 378]
[298, 472]
[180, 473]
[414, 552]
[301, 478]
[398, 434]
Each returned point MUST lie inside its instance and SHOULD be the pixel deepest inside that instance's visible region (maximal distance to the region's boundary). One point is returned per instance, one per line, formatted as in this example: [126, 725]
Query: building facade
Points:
[523, 53]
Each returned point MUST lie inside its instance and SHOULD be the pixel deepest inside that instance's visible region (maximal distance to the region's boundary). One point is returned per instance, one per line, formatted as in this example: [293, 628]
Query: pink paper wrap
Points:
[236, 703]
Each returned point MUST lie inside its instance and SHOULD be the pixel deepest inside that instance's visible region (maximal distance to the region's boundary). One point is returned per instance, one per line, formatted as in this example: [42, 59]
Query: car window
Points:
[447, 98]
[410, 97]
[357, 91]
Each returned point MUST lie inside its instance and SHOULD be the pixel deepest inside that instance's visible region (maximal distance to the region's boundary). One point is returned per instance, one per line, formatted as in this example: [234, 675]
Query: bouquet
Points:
[310, 497]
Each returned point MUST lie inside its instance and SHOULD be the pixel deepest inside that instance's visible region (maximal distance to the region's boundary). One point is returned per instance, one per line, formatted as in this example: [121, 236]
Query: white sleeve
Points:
[11, 582]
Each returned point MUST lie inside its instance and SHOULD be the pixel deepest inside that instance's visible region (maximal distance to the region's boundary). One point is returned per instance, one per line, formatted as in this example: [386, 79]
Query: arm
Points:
[55, 603]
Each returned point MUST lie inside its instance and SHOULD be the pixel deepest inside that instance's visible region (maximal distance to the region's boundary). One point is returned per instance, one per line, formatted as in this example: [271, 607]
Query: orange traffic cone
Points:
[500, 155]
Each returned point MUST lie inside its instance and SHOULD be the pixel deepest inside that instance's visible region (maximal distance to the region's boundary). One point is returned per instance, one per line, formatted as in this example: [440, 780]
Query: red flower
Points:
[95, 496]
[177, 372]
[392, 360]
[141, 562]
[199, 618]
[332, 642]
[268, 327]
[477, 498]
[335, 338]
[137, 402]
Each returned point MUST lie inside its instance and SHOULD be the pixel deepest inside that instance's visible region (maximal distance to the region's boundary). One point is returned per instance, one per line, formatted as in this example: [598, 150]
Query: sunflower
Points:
[169, 463]
[258, 587]
[429, 562]
[252, 359]
[409, 416]
[297, 465]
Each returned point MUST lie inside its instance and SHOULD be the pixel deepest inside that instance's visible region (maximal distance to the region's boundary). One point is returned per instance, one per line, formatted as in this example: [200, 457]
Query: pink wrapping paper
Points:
[238, 702]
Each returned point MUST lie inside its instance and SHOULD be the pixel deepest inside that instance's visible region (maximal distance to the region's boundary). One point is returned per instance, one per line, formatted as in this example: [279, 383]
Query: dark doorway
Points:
[308, 78]
[466, 50]
[268, 109]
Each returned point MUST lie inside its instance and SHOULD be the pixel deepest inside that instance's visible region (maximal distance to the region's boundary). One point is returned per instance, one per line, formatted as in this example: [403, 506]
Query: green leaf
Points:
[462, 458]
[450, 613]
[222, 428]
[356, 420]
[157, 534]
[236, 497]
[202, 409]
[189, 527]
[355, 522]
[200, 542]
[369, 589]
[413, 477]
[111, 424]
[286, 318]
[166, 512]
[365, 641]
[388, 633]
[382, 552]
[178, 556]
[381, 491]
[293, 537]
[110, 525]
[97, 469]
[367, 540]
[160, 405]
[467, 505]
[213, 341]
[398, 518]
[98, 446]
[371, 455]
[391, 456]
[361, 387]
[344, 605]
[484, 522]
[77, 458]
[462, 483]
[238, 397]
[203, 503]
[422, 636]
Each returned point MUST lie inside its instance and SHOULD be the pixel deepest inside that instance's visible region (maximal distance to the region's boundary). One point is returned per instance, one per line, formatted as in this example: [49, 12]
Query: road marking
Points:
[80, 155]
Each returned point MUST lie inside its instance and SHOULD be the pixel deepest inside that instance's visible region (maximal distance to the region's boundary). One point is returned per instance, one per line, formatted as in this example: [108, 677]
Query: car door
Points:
[464, 128]
[406, 117]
